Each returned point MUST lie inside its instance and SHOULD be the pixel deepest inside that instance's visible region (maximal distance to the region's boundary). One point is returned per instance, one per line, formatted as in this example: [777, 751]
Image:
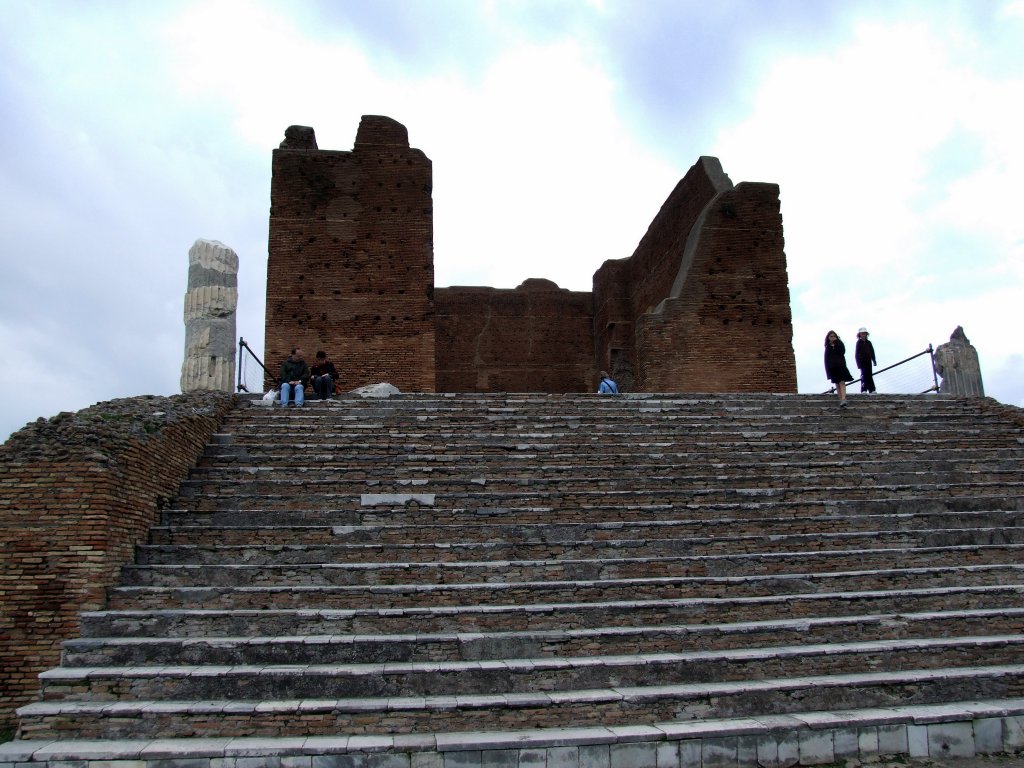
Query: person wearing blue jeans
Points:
[294, 377]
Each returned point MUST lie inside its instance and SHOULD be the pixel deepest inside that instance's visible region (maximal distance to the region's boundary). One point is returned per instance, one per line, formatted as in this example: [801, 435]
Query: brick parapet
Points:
[77, 493]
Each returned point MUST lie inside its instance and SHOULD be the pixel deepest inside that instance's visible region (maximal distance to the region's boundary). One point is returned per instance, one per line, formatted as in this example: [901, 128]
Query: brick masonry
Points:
[350, 266]
[702, 305]
[77, 493]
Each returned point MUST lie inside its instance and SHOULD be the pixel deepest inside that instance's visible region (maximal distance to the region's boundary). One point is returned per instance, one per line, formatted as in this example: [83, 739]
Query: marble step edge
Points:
[812, 737]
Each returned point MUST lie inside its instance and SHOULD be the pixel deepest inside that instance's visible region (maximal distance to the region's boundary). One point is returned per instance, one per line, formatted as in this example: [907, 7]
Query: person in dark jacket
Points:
[324, 375]
[835, 365]
[864, 355]
[294, 377]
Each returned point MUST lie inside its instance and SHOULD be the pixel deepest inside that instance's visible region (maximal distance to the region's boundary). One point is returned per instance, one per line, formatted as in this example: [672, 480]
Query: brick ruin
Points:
[702, 304]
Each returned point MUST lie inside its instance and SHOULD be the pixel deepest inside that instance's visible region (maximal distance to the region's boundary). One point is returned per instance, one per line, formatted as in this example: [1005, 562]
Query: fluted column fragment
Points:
[210, 303]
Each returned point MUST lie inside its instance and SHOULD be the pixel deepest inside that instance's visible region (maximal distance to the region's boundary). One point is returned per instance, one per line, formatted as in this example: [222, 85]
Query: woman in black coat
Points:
[835, 365]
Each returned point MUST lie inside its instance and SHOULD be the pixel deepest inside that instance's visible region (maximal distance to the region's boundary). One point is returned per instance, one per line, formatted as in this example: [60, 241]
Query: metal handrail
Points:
[242, 345]
[930, 351]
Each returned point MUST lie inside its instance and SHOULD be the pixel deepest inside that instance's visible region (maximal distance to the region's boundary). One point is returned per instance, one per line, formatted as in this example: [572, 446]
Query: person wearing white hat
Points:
[864, 354]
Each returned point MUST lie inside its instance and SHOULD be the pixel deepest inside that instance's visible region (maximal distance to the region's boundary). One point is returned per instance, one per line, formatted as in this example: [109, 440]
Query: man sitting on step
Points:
[294, 376]
[324, 375]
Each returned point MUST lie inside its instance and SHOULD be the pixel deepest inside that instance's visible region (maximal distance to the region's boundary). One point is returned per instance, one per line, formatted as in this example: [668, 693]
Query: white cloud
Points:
[877, 230]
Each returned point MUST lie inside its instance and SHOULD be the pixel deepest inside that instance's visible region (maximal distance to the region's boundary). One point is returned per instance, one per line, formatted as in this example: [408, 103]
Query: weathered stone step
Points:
[617, 564]
[314, 460]
[315, 484]
[608, 706]
[192, 649]
[381, 511]
[374, 439]
[309, 620]
[409, 595]
[317, 479]
[512, 675]
[975, 730]
[204, 544]
[435, 497]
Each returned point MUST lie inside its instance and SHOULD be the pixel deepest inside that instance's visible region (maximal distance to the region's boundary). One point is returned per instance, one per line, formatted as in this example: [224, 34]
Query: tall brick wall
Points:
[77, 493]
[729, 326]
[535, 338]
[626, 289]
[351, 266]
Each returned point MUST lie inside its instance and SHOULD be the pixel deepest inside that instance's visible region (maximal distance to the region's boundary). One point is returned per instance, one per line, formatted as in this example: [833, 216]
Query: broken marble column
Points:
[210, 302]
[957, 363]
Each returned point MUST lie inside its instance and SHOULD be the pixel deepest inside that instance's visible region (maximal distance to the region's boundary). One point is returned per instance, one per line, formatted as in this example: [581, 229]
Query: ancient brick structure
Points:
[77, 493]
[351, 267]
[702, 305]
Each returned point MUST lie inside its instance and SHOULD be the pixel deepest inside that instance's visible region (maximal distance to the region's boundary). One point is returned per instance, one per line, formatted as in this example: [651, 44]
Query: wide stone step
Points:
[619, 560]
[205, 545]
[406, 511]
[407, 595]
[320, 483]
[356, 498]
[305, 681]
[206, 621]
[978, 546]
[193, 649]
[314, 480]
[536, 709]
[642, 445]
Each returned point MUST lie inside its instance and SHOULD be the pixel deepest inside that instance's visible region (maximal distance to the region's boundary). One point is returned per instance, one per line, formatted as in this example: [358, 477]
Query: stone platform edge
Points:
[959, 730]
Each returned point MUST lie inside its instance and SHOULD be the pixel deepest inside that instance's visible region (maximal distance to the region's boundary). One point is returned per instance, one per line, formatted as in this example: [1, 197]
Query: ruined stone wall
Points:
[350, 267]
[729, 326]
[535, 338]
[626, 289]
[77, 493]
[701, 304]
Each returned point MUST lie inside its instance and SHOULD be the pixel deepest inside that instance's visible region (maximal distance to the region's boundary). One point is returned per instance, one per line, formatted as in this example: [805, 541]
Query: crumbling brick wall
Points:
[701, 304]
[77, 493]
[729, 328]
[535, 338]
[351, 263]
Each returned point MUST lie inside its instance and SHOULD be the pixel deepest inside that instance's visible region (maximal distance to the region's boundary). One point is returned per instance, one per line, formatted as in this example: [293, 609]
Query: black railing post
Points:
[239, 387]
[935, 376]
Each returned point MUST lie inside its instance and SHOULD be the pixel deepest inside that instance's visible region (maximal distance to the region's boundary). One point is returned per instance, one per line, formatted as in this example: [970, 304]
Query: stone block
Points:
[988, 735]
[950, 740]
[595, 756]
[719, 752]
[668, 754]
[1013, 733]
[634, 755]
[917, 740]
[892, 740]
[816, 747]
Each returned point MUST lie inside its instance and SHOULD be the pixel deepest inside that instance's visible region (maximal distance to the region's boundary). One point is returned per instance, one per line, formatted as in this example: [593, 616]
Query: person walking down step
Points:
[324, 375]
[835, 365]
[294, 378]
[864, 356]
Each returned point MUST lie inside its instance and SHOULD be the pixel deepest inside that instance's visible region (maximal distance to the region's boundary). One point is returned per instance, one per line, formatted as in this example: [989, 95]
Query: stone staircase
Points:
[649, 579]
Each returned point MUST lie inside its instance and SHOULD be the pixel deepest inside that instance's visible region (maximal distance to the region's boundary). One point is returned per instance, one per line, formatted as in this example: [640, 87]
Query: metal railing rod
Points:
[242, 345]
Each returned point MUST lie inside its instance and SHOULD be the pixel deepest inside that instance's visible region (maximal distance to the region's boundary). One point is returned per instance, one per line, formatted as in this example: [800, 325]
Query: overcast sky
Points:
[556, 130]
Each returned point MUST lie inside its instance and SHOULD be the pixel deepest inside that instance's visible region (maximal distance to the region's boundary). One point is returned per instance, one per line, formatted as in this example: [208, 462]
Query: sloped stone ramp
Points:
[528, 580]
